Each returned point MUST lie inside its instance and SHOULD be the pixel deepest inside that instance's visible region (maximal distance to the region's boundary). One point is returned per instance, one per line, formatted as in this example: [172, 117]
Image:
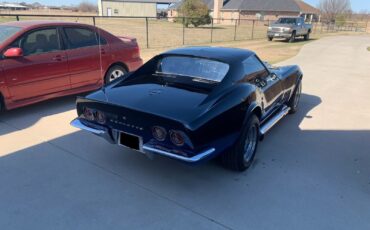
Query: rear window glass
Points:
[198, 68]
[287, 20]
[79, 37]
[7, 31]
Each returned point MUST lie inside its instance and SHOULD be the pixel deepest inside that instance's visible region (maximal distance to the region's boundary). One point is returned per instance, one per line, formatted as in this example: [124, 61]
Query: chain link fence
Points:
[152, 32]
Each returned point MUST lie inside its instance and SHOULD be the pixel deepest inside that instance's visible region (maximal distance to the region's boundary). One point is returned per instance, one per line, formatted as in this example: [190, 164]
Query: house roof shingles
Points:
[262, 5]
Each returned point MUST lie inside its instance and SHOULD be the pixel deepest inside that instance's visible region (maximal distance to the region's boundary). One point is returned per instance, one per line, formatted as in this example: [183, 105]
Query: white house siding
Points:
[130, 9]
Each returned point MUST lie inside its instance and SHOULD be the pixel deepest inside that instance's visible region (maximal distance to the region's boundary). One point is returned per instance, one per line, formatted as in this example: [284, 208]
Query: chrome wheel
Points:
[117, 73]
[250, 144]
[297, 95]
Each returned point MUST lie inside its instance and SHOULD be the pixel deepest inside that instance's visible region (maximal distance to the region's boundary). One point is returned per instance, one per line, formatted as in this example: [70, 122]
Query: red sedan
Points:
[40, 60]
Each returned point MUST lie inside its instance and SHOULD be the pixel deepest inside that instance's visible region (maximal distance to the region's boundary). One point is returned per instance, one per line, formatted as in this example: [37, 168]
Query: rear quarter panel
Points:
[220, 127]
[126, 52]
[289, 76]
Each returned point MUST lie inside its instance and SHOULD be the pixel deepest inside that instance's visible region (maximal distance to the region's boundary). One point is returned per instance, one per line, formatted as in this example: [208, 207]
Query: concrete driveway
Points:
[312, 170]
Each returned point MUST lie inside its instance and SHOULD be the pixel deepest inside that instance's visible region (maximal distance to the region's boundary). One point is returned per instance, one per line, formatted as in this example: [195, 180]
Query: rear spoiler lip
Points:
[127, 39]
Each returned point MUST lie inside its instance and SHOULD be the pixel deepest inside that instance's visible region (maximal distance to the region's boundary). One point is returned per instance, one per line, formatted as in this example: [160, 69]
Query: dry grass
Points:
[273, 52]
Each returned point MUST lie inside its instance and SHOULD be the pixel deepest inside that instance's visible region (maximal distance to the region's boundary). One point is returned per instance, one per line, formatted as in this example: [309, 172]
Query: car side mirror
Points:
[13, 53]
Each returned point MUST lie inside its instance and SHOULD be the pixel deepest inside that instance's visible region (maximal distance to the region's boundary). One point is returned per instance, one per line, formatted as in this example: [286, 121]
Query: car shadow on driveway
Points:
[297, 174]
[27, 116]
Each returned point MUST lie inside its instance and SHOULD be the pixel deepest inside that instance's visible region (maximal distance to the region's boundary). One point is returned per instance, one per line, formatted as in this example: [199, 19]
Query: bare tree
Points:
[332, 9]
[87, 7]
[364, 15]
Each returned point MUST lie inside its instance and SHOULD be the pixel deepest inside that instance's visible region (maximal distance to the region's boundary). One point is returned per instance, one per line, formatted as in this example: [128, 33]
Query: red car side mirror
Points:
[13, 53]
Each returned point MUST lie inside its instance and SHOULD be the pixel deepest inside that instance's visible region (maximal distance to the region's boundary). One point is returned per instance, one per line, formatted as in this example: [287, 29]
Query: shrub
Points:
[196, 13]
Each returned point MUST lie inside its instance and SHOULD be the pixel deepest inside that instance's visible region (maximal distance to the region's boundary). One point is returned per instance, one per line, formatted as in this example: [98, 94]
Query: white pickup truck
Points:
[289, 28]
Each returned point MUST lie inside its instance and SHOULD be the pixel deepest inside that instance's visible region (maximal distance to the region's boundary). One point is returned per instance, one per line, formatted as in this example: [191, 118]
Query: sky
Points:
[357, 5]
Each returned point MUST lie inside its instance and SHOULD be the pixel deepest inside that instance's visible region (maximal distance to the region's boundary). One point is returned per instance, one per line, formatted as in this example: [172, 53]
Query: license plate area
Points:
[130, 141]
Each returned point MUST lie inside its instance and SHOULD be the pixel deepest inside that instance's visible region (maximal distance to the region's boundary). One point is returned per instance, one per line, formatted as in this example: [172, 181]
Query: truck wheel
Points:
[307, 36]
[242, 153]
[292, 38]
[114, 73]
[270, 38]
[294, 100]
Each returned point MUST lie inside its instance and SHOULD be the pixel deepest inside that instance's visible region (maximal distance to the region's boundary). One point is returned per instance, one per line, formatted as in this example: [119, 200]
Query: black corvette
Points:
[195, 103]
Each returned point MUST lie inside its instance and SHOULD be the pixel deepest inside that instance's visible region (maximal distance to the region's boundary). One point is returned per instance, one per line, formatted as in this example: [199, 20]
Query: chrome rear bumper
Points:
[147, 149]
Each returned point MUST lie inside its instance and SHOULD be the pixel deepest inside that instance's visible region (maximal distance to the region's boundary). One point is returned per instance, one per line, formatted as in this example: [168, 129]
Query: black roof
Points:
[223, 54]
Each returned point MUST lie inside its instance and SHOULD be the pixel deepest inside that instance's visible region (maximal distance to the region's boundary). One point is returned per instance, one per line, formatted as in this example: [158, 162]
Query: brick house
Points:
[227, 11]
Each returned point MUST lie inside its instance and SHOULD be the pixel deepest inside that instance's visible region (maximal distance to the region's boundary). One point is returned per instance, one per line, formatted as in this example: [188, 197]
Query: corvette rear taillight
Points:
[159, 133]
[100, 117]
[89, 114]
[177, 137]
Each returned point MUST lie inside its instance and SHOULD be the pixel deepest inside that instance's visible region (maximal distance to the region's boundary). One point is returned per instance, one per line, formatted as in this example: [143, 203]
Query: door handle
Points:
[102, 51]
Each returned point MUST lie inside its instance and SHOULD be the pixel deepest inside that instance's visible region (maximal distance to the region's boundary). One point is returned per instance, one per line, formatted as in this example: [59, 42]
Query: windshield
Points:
[7, 31]
[200, 69]
[287, 21]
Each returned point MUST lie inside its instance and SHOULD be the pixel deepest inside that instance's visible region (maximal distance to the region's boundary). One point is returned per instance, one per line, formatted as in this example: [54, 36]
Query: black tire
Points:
[242, 154]
[270, 38]
[294, 100]
[113, 72]
[2, 106]
[307, 36]
[292, 38]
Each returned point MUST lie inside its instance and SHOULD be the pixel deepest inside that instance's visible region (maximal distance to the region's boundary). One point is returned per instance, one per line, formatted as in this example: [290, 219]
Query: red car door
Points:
[43, 68]
[82, 48]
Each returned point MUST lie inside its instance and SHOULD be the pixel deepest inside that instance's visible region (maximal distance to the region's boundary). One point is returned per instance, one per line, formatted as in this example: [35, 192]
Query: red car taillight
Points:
[159, 133]
[136, 52]
[177, 137]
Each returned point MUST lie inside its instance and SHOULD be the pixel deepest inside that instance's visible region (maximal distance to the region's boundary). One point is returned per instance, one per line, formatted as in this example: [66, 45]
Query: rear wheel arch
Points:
[116, 64]
[258, 112]
[119, 64]
[253, 109]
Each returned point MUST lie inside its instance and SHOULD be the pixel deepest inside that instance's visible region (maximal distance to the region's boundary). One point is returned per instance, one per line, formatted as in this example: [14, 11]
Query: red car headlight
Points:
[177, 137]
[159, 133]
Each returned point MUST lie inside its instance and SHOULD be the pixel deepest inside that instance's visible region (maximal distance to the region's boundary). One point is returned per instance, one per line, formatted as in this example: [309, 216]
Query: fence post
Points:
[183, 30]
[212, 31]
[93, 18]
[236, 24]
[253, 30]
[147, 32]
[17, 17]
